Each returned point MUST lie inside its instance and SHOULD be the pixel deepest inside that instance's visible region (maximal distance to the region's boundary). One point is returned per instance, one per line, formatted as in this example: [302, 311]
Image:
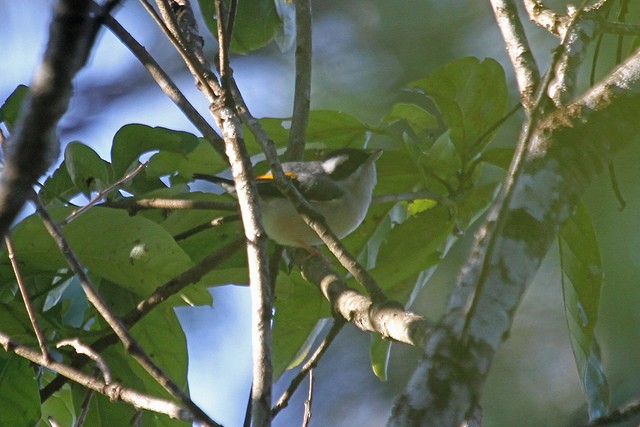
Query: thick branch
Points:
[524, 64]
[567, 149]
[389, 320]
[33, 145]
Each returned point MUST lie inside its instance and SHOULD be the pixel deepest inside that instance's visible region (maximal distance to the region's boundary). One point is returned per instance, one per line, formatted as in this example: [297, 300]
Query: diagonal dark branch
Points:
[308, 367]
[33, 145]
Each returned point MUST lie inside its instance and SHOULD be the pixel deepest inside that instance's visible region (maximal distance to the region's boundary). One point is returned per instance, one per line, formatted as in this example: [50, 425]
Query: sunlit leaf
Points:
[379, 354]
[582, 283]
[11, 108]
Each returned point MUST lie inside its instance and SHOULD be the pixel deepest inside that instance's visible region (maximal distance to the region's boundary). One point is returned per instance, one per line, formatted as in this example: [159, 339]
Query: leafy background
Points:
[367, 54]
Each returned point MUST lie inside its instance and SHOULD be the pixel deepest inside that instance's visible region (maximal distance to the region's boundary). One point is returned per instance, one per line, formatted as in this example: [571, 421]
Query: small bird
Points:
[338, 187]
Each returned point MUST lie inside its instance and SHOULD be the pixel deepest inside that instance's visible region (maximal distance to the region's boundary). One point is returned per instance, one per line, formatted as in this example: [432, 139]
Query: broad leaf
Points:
[298, 308]
[87, 170]
[472, 96]
[20, 403]
[415, 116]
[582, 282]
[133, 252]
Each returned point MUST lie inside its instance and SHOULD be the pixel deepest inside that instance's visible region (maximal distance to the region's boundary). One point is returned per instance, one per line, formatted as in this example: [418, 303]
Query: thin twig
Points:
[180, 282]
[101, 194]
[307, 403]
[25, 298]
[216, 222]
[172, 31]
[302, 92]
[84, 409]
[129, 343]
[545, 18]
[81, 348]
[283, 402]
[134, 205]
[33, 147]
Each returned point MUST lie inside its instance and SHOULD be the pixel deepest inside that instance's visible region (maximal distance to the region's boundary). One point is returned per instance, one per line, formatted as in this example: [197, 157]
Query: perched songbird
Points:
[338, 187]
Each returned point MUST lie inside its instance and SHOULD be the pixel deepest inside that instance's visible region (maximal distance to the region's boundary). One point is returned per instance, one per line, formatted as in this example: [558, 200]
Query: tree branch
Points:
[522, 60]
[283, 402]
[388, 319]
[302, 93]
[567, 149]
[224, 111]
[114, 391]
[25, 297]
[33, 145]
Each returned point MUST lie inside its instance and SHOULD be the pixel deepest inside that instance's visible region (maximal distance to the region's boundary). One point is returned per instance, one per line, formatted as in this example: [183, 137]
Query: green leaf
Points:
[500, 157]
[59, 407]
[335, 129]
[58, 187]
[134, 140]
[582, 283]
[201, 158]
[379, 355]
[87, 170]
[102, 411]
[471, 95]
[410, 248]
[256, 23]
[11, 108]
[417, 117]
[20, 403]
[133, 252]
[298, 308]
[153, 333]
[327, 129]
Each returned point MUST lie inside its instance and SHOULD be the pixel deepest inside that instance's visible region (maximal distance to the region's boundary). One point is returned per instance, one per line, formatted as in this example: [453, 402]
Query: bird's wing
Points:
[314, 188]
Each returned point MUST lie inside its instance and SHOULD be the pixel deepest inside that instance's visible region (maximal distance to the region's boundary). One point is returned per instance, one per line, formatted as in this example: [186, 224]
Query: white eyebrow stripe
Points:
[330, 165]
